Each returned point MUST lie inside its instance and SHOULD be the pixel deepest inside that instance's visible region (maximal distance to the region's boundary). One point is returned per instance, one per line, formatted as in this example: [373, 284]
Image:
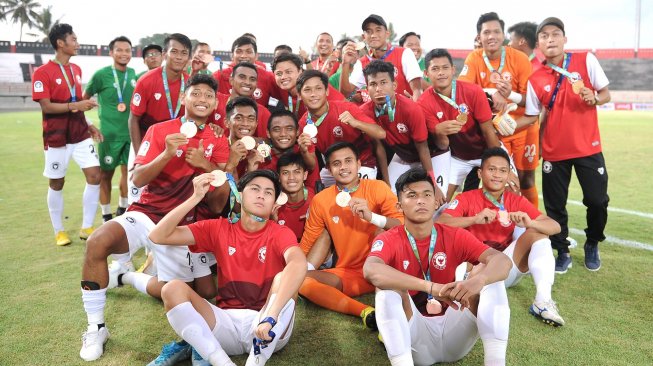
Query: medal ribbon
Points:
[234, 196]
[387, 53]
[348, 190]
[290, 106]
[117, 83]
[503, 61]
[491, 198]
[73, 92]
[565, 64]
[166, 87]
[413, 245]
[387, 107]
[184, 120]
[452, 100]
[309, 118]
[531, 56]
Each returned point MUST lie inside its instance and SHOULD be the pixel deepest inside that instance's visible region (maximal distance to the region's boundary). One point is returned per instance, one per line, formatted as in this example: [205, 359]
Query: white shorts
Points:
[173, 262]
[445, 338]
[235, 328]
[134, 192]
[440, 163]
[58, 158]
[458, 169]
[515, 275]
[364, 173]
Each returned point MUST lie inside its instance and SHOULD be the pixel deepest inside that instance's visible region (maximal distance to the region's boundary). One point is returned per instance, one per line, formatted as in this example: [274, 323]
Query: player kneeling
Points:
[260, 269]
[413, 266]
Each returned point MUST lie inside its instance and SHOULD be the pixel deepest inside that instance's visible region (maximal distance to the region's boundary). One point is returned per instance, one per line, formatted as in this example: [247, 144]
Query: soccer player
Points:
[569, 87]
[522, 38]
[459, 116]
[260, 269]
[57, 87]
[287, 68]
[498, 218]
[405, 126]
[166, 164]
[152, 58]
[326, 61]
[413, 41]
[375, 35]
[241, 121]
[334, 79]
[292, 176]
[201, 54]
[337, 121]
[351, 212]
[503, 72]
[282, 48]
[413, 266]
[157, 97]
[114, 86]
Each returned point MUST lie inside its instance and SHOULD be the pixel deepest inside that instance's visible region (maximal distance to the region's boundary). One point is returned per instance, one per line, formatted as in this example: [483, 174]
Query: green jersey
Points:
[113, 123]
[422, 66]
[334, 80]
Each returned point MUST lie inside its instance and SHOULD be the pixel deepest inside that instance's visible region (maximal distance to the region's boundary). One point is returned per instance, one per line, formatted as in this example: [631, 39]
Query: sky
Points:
[451, 24]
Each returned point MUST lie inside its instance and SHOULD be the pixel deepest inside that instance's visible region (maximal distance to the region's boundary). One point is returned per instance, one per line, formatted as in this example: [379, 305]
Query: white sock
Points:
[493, 321]
[285, 318]
[541, 264]
[89, 203]
[55, 206]
[393, 326]
[137, 280]
[192, 327]
[106, 209]
[94, 301]
[122, 202]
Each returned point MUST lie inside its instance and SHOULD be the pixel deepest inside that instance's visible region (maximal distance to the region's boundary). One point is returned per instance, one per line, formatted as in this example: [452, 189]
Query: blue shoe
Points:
[592, 257]
[563, 263]
[197, 360]
[172, 353]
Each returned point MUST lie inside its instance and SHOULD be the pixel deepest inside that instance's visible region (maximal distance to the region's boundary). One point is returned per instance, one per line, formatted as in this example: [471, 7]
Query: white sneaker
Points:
[93, 341]
[115, 270]
[572, 242]
[547, 311]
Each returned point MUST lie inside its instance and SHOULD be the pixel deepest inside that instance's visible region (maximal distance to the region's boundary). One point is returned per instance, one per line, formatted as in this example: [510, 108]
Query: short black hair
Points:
[200, 44]
[291, 158]
[492, 152]
[119, 39]
[340, 145]
[59, 32]
[265, 173]
[403, 38]
[203, 79]
[282, 113]
[342, 42]
[489, 17]
[437, 53]
[377, 67]
[324, 34]
[244, 64]
[283, 47]
[240, 101]
[309, 74]
[412, 175]
[283, 57]
[181, 38]
[243, 41]
[250, 35]
[526, 30]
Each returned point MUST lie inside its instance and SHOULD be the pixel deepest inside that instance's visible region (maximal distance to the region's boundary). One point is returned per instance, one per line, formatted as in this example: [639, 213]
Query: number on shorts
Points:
[529, 151]
[362, 176]
[190, 261]
[439, 180]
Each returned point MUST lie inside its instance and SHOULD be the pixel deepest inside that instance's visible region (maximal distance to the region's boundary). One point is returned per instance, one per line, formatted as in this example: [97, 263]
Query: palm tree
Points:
[44, 23]
[22, 11]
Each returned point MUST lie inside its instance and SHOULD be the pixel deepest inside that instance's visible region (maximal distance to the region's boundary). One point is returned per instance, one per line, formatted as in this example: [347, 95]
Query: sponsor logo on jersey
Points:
[145, 146]
[453, 205]
[261, 254]
[179, 153]
[136, 100]
[133, 83]
[547, 167]
[157, 96]
[281, 222]
[440, 260]
[217, 116]
[377, 246]
[406, 264]
[547, 88]
[464, 70]
[482, 74]
[135, 191]
[506, 76]
[38, 86]
[58, 81]
[439, 114]
[232, 250]
[335, 219]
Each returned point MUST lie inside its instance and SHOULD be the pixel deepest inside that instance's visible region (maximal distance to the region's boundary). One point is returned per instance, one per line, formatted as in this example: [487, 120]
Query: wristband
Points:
[515, 97]
[378, 220]
[269, 320]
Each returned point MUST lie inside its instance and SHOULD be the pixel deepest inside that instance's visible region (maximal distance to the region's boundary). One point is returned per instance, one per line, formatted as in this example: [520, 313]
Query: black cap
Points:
[376, 19]
[151, 47]
[551, 21]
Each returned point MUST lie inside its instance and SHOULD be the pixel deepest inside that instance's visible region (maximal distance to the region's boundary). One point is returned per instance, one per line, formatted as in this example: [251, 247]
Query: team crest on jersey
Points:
[281, 222]
[179, 153]
[335, 219]
[482, 74]
[38, 86]
[157, 96]
[406, 264]
[396, 71]
[208, 151]
[547, 88]
[337, 131]
[506, 76]
[377, 246]
[261, 254]
[231, 250]
[58, 81]
[464, 70]
[402, 128]
[453, 204]
[547, 167]
[136, 100]
[440, 260]
[108, 160]
[257, 93]
[439, 114]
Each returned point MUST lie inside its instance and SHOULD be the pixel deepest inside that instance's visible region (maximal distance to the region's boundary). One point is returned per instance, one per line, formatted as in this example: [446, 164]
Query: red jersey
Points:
[174, 184]
[408, 127]
[494, 234]
[271, 164]
[293, 215]
[396, 57]
[149, 100]
[334, 95]
[536, 63]
[318, 65]
[468, 143]
[218, 117]
[247, 262]
[572, 126]
[49, 83]
[453, 246]
[331, 130]
[266, 86]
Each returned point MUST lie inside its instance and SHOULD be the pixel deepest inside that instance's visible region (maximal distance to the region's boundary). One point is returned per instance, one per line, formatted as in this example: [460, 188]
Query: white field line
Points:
[617, 241]
[616, 209]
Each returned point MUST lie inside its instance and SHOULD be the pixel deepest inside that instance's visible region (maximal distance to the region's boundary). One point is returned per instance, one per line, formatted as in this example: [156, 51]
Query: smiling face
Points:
[244, 53]
[244, 81]
[415, 45]
[292, 178]
[242, 122]
[417, 202]
[491, 36]
[121, 53]
[314, 94]
[258, 197]
[283, 132]
[324, 45]
[199, 101]
[344, 166]
[551, 41]
[376, 36]
[440, 71]
[494, 173]
[176, 56]
[286, 74]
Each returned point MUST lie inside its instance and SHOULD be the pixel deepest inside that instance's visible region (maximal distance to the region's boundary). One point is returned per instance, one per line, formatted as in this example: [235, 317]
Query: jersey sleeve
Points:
[387, 201]
[533, 105]
[459, 206]
[596, 73]
[314, 226]
[94, 85]
[417, 121]
[153, 144]
[469, 70]
[220, 151]
[202, 232]
[482, 111]
[525, 70]
[139, 99]
[470, 247]
[359, 114]
[40, 85]
[383, 248]
[284, 239]
[410, 66]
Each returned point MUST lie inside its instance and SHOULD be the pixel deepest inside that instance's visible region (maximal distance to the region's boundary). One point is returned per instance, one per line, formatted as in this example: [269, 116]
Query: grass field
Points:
[609, 314]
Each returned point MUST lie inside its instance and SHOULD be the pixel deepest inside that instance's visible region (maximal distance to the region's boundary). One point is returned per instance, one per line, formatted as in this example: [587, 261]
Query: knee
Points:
[57, 184]
[389, 298]
[174, 290]
[106, 175]
[596, 201]
[527, 179]
[93, 176]
[98, 246]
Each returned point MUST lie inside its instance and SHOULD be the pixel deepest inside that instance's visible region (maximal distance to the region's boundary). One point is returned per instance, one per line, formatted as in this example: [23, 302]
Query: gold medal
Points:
[461, 117]
[121, 107]
[577, 85]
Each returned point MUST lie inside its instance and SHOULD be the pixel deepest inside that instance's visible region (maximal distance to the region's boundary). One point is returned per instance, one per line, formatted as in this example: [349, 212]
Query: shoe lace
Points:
[89, 337]
[169, 350]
